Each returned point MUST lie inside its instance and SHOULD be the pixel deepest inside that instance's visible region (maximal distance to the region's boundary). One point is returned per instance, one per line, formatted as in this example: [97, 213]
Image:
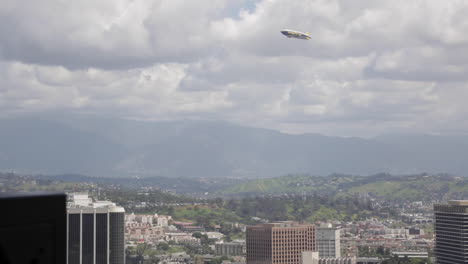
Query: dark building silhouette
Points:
[95, 232]
[451, 232]
[33, 228]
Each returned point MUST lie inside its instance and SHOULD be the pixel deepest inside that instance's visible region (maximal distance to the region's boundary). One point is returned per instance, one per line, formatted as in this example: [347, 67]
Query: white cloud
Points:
[370, 67]
[148, 93]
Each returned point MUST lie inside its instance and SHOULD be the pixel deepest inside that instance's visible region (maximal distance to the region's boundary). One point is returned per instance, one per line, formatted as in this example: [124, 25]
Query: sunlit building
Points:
[279, 243]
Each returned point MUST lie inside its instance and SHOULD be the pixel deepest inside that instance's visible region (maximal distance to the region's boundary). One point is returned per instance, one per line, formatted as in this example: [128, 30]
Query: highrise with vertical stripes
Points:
[95, 232]
[451, 232]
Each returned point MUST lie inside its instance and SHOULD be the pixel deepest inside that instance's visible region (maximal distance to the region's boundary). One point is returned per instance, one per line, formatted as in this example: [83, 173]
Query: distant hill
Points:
[39, 146]
[194, 149]
[386, 187]
[422, 187]
[186, 186]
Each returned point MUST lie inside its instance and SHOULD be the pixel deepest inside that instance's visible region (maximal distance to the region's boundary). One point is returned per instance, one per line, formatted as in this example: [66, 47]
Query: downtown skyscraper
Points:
[95, 232]
[279, 243]
[451, 232]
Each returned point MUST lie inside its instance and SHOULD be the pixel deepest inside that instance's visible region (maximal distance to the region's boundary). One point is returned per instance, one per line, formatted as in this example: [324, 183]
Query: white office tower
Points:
[328, 242]
[162, 221]
[95, 232]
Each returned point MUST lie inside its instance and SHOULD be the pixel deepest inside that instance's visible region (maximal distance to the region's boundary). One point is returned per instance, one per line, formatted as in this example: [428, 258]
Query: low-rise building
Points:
[311, 257]
[411, 254]
[229, 249]
[181, 237]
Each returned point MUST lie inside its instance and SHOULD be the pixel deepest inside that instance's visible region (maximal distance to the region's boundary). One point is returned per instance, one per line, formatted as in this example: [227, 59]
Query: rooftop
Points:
[81, 201]
[282, 224]
[458, 202]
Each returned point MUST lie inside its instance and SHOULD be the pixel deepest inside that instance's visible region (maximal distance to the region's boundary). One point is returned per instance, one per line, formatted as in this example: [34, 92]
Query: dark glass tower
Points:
[116, 237]
[95, 233]
[33, 228]
[451, 232]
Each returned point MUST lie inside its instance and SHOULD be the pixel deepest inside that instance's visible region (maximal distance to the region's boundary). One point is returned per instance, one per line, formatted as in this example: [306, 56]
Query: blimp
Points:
[295, 34]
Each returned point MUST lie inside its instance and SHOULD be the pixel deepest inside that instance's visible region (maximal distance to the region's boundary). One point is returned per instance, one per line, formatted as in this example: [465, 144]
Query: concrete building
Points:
[411, 254]
[310, 257]
[415, 231]
[279, 243]
[95, 232]
[162, 220]
[229, 249]
[213, 235]
[181, 237]
[451, 232]
[342, 260]
[328, 242]
[396, 233]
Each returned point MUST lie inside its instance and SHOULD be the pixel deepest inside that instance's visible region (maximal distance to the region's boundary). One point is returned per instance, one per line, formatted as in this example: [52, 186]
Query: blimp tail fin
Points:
[308, 34]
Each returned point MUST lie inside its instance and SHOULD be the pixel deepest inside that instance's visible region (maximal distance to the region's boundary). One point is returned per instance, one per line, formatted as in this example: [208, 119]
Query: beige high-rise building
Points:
[328, 242]
[279, 243]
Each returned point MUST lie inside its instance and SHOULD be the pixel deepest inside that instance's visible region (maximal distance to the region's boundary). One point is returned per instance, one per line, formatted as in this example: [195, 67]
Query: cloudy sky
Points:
[371, 67]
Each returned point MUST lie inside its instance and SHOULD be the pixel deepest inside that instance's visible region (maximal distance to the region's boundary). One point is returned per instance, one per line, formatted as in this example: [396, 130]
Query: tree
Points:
[140, 252]
[219, 202]
[163, 246]
[197, 235]
[198, 260]
[130, 251]
[363, 251]
[380, 251]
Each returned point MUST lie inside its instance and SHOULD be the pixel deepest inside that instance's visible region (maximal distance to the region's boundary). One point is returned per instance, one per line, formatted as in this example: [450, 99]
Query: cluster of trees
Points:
[136, 255]
[11, 182]
[381, 252]
[396, 260]
[301, 208]
[247, 210]
[154, 198]
[387, 257]
[205, 244]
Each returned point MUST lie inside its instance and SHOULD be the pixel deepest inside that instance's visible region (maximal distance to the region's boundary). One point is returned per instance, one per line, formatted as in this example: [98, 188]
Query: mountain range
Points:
[194, 149]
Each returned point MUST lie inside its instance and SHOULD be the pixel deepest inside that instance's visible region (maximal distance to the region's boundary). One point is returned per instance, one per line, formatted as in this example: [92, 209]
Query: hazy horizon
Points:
[94, 146]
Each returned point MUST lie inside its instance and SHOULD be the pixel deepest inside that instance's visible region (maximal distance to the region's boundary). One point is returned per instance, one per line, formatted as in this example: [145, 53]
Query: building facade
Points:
[95, 232]
[328, 242]
[411, 254]
[229, 249]
[451, 232]
[279, 243]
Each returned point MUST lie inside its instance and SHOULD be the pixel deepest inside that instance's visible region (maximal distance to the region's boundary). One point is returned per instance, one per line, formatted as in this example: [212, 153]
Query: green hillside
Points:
[290, 184]
[412, 187]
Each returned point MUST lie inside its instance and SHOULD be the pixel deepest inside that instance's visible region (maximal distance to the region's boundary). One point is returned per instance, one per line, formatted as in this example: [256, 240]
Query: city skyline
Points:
[234, 132]
[159, 228]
